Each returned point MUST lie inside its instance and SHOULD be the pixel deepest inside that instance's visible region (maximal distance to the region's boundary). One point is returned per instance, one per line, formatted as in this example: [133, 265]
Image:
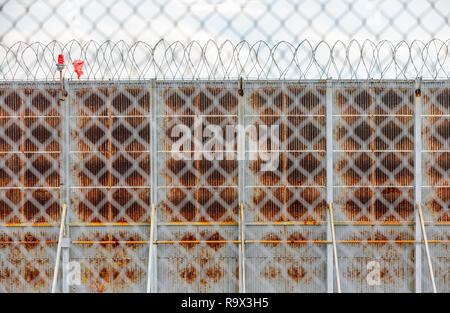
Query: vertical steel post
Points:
[65, 246]
[242, 250]
[65, 155]
[150, 251]
[417, 185]
[64, 108]
[152, 278]
[329, 179]
[241, 168]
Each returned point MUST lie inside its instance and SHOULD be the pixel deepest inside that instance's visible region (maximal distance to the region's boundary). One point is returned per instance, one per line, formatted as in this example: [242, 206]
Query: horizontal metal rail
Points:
[284, 223]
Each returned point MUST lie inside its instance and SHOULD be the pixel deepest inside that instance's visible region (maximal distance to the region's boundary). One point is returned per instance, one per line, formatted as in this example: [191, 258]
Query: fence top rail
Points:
[226, 60]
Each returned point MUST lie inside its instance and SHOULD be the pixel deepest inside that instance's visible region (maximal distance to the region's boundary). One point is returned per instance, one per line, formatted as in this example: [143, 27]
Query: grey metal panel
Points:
[288, 266]
[117, 266]
[394, 256]
[198, 267]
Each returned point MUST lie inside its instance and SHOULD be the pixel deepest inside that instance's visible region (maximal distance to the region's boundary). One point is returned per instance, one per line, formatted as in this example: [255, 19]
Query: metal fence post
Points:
[417, 185]
[152, 279]
[329, 179]
[65, 149]
[241, 136]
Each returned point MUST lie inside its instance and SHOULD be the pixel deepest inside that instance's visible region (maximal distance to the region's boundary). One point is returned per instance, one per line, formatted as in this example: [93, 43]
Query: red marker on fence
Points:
[60, 64]
[78, 65]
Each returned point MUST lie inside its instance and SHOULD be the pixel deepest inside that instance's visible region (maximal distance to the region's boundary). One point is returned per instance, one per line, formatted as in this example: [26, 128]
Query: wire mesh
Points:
[215, 60]
[200, 20]
[197, 191]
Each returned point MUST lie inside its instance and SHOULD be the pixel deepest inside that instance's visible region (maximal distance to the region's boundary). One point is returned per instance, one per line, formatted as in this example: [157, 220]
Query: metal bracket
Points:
[417, 86]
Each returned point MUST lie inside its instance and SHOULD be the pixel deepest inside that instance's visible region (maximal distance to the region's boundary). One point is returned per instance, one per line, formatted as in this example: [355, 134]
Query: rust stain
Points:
[189, 274]
[297, 273]
[270, 272]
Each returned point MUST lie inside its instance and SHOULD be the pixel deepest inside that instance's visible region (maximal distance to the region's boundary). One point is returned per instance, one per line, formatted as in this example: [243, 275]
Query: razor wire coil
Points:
[166, 60]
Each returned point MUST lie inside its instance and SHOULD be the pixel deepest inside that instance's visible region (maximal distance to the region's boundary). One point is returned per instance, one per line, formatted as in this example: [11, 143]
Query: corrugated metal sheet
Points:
[198, 238]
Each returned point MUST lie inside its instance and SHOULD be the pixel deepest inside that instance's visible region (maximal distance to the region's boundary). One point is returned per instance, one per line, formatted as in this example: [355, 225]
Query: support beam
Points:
[329, 179]
[65, 246]
[150, 252]
[333, 237]
[417, 186]
[58, 249]
[152, 258]
[427, 251]
[242, 248]
[241, 183]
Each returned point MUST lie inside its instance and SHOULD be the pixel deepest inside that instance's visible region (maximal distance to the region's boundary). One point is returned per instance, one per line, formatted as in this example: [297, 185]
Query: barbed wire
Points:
[119, 60]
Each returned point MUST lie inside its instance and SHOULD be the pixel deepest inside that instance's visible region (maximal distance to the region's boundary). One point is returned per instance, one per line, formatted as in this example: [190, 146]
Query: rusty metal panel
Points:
[29, 154]
[30, 126]
[436, 154]
[391, 247]
[373, 157]
[436, 180]
[198, 239]
[110, 153]
[292, 190]
[440, 258]
[110, 185]
[112, 258]
[286, 259]
[201, 259]
[197, 185]
[373, 152]
[27, 258]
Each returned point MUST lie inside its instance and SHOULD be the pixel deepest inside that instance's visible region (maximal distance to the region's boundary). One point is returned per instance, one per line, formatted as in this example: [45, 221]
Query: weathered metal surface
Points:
[198, 267]
[294, 190]
[288, 265]
[30, 123]
[200, 186]
[285, 226]
[117, 266]
[374, 179]
[110, 153]
[27, 258]
[436, 180]
[110, 183]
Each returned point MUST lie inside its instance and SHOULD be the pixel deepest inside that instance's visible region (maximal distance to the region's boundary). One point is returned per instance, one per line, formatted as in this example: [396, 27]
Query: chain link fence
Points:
[220, 20]
[223, 61]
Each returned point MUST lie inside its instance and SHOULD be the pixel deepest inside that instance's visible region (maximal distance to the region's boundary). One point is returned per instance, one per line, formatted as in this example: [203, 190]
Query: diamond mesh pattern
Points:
[436, 179]
[198, 195]
[110, 165]
[197, 186]
[29, 188]
[187, 20]
[374, 167]
[293, 191]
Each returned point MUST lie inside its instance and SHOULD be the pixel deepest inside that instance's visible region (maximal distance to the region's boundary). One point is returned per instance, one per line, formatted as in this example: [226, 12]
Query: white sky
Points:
[252, 20]
[201, 20]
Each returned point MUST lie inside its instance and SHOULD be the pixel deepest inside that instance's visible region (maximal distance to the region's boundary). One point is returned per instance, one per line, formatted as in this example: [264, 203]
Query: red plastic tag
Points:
[78, 65]
[60, 59]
